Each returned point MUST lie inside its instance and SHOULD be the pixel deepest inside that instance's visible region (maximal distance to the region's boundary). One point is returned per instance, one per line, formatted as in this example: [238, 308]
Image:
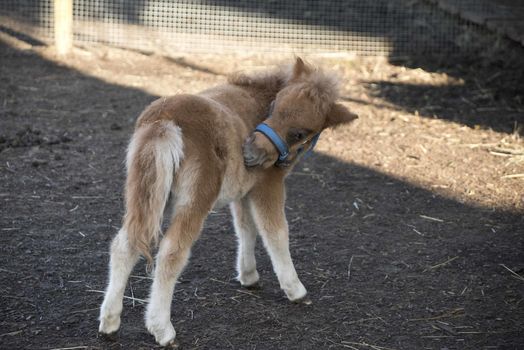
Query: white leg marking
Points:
[278, 249]
[277, 245]
[122, 261]
[169, 265]
[247, 234]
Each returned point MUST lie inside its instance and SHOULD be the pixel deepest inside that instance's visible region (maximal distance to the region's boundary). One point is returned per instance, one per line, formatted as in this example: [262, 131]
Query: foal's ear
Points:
[338, 114]
[300, 68]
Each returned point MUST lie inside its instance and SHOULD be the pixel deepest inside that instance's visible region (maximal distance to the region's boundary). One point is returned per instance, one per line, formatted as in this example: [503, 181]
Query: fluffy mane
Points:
[322, 87]
[270, 80]
[301, 78]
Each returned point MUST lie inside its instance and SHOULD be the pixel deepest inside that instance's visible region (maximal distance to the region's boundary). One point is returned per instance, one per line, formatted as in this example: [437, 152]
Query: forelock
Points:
[322, 87]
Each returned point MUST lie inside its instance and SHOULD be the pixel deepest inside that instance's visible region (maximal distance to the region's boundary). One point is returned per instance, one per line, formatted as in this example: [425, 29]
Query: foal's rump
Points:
[199, 130]
[154, 155]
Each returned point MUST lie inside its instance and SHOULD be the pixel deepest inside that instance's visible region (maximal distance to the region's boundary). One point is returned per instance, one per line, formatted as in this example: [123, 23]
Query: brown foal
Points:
[209, 150]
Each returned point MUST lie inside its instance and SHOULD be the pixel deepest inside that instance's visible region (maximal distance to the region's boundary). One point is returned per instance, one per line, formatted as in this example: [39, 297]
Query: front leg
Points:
[247, 237]
[267, 207]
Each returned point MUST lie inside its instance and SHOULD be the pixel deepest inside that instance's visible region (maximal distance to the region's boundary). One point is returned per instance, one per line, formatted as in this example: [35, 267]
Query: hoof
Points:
[164, 334]
[112, 337]
[109, 323]
[173, 344]
[249, 279]
[305, 300]
[255, 286]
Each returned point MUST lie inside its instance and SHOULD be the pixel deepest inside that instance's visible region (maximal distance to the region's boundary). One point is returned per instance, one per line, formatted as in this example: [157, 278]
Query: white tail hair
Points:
[153, 157]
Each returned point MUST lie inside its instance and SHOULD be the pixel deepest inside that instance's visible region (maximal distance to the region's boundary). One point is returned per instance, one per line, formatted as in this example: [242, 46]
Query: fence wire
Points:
[379, 27]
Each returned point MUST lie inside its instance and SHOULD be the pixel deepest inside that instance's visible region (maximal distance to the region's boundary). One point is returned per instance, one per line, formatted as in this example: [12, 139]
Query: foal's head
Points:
[301, 110]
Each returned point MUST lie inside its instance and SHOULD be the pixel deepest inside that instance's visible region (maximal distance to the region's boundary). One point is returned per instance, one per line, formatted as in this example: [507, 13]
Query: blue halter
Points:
[281, 145]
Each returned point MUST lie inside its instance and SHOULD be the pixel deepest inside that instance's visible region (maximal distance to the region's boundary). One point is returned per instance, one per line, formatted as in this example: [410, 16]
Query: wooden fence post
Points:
[63, 26]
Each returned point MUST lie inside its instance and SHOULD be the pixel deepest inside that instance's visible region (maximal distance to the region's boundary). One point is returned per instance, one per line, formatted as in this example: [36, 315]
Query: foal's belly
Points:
[235, 185]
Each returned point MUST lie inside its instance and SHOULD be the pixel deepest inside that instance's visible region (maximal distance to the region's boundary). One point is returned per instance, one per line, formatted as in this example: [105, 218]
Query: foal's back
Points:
[213, 124]
[224, 108]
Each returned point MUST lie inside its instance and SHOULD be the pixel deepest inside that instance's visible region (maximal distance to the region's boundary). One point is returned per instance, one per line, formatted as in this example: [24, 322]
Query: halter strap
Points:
[314, 141]
[281, 145]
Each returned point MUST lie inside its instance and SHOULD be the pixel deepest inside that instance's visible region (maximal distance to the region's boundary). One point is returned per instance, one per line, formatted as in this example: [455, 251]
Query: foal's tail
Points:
[153, 157]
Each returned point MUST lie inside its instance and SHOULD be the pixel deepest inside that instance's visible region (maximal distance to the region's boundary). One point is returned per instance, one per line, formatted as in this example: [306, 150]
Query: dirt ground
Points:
[406, 226]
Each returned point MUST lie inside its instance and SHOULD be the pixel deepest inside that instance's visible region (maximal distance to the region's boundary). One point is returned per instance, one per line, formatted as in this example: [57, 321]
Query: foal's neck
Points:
[263, 88]
[264, 95]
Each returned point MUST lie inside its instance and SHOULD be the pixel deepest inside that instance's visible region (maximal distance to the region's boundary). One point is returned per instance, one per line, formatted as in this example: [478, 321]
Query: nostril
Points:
[253, 155]
[248, 152]
[249, 140]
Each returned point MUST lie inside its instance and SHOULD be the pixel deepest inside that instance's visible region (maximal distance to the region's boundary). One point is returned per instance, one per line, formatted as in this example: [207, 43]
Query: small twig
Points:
[512, 176]
[468, 102]
[8, 271]
[443, 263]
[11, 333]
[472, 332]
[219, 281]
[476, 145]
[508, 151]
[141, 277]
[248, 293]
[417, 232]
[445, 327]
[71, 348]
[143, 301]
[132, 293]
[452, 313]
[431, 218]
[516, 275]
[362, 320]
[349, 267]
[499, 154]
[83, 311]
[437, 336]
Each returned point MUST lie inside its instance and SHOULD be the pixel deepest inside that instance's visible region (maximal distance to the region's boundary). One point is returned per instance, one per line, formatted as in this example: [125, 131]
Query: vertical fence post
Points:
[63, 26]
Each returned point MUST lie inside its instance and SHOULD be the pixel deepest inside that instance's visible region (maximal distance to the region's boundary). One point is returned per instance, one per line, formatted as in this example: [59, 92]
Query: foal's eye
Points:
[297, 135]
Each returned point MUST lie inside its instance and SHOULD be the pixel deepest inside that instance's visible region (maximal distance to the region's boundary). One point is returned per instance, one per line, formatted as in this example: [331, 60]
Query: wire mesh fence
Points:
[379, 27]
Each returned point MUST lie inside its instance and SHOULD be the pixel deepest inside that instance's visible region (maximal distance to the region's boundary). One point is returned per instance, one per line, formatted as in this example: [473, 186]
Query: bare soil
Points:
[406, 227]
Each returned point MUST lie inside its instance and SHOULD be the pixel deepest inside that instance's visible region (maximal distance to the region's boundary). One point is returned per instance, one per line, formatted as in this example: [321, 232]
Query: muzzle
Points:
[280, 145]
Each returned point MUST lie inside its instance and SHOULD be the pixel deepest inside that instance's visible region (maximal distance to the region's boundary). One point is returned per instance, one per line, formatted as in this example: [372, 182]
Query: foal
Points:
[209, 150]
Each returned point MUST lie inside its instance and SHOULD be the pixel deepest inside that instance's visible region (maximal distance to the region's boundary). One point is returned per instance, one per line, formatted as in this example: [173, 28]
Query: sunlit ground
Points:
[418, 136]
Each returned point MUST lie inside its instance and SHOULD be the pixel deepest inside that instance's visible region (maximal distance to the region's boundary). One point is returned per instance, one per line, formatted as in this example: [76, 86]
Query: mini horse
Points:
[209, 150]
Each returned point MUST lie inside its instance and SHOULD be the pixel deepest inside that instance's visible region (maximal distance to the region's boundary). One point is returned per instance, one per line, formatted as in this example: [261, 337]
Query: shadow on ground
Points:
[387, 263]
[489, 94]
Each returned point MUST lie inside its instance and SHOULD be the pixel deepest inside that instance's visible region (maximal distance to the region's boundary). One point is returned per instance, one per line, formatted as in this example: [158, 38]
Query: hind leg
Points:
[171, 259]
[247, 237]
[123, 259]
